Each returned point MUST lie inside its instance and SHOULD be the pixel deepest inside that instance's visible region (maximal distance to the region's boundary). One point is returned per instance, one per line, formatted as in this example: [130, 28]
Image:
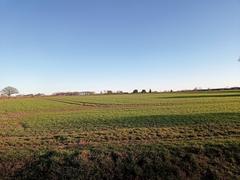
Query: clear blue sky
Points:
[60, 45]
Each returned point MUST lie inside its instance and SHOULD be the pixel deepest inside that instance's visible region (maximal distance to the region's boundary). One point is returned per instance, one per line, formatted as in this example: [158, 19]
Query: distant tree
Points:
[144, 91]
[135, 91]
[9, 91]
[109, 92]
[150, 91]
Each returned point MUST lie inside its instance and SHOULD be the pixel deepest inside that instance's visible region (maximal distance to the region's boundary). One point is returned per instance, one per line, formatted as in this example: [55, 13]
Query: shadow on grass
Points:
[168, 120]
[208, 162]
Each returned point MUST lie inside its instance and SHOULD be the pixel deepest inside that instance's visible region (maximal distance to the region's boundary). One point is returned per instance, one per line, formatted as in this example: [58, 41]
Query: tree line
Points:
[135, 91]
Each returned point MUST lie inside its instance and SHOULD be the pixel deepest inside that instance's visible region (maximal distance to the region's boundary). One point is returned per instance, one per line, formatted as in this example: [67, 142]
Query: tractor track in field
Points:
[107, 105]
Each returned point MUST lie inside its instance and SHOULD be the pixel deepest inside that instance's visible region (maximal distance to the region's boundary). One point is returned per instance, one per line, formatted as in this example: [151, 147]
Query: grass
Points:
[72, 135]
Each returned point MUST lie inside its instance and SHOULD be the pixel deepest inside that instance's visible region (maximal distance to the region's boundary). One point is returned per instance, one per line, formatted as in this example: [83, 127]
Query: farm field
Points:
[137, 136]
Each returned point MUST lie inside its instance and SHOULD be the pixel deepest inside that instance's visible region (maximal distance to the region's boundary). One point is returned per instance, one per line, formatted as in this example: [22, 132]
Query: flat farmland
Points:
[135, 136]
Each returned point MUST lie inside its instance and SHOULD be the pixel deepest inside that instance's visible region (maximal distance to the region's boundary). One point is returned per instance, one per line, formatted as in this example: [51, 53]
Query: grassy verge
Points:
[209, 161]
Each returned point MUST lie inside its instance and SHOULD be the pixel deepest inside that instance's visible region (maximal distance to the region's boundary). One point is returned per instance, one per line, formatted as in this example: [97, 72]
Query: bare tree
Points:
[9, 91]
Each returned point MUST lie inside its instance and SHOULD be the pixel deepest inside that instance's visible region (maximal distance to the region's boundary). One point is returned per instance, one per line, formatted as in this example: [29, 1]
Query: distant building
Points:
[28, 95]
[108, 92]
[39, 95]
[86, 93]
[2, 94]
[66, 94]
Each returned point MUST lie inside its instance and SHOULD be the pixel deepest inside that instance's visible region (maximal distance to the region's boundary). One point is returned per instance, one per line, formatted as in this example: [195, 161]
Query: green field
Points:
[143, 136]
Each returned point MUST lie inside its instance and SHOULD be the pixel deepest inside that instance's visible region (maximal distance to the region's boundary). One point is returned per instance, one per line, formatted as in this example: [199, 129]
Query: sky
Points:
[76, 45]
